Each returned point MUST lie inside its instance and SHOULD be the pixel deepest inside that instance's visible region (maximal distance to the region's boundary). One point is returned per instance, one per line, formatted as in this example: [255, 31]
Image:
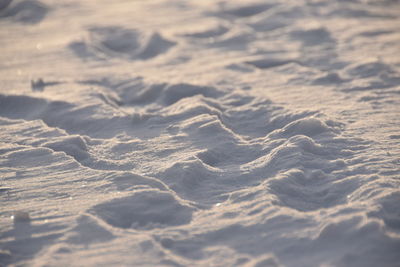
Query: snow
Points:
[199, 133]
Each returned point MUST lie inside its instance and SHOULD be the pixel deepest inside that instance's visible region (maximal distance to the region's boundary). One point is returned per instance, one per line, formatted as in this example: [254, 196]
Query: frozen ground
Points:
[200, 133]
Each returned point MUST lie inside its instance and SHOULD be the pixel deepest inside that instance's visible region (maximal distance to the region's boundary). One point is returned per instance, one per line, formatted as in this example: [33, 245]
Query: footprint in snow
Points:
[109, 42]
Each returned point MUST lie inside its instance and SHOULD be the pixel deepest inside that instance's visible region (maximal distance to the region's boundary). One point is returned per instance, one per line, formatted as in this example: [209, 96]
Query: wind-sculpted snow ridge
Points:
[202, 133]
[279, 184]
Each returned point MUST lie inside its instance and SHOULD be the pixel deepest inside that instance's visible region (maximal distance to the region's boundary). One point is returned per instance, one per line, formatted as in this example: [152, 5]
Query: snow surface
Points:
[200, 133]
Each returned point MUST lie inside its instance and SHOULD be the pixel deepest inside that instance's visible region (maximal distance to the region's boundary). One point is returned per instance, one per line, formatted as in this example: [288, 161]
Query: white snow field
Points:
[200, 133]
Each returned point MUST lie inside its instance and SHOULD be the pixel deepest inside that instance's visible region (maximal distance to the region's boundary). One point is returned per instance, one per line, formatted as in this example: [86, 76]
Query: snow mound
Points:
[145, 210]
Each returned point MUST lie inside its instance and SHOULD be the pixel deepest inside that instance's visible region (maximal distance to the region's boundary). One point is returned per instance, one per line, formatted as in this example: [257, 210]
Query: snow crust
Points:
[199, 133]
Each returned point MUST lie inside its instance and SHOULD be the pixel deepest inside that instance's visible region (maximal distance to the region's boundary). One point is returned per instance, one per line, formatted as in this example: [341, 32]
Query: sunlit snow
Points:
[200, 133]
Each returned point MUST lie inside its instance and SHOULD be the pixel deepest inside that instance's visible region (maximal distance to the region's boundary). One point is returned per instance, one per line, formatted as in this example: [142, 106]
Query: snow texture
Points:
[199, 133]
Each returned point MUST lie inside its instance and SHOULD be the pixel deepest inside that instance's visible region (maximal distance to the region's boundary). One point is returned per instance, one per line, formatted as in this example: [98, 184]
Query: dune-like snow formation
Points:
[200, 133]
